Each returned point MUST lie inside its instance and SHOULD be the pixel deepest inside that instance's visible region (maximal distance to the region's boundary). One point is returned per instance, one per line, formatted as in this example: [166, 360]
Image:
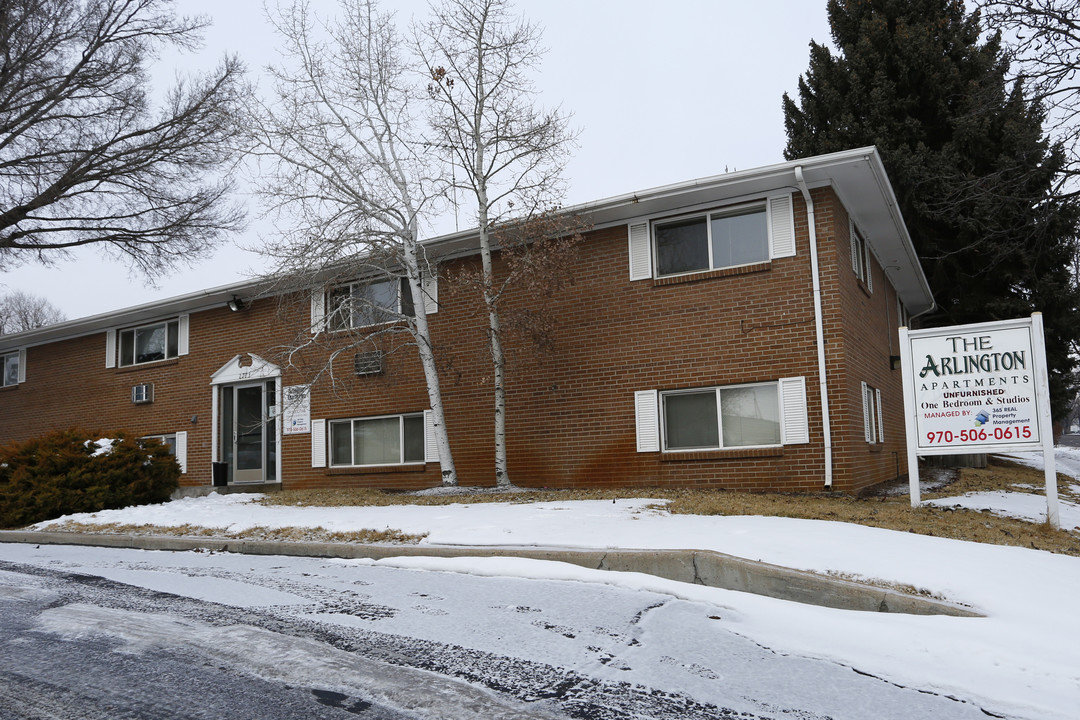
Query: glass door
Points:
[248, 434]
[248, 439]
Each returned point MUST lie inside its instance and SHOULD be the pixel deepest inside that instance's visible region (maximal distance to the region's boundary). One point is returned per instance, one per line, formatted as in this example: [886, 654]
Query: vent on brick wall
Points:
[142, 393]
[368, 363]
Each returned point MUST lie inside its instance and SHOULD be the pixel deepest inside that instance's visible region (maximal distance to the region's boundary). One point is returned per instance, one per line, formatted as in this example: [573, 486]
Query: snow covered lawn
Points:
[1022, 659]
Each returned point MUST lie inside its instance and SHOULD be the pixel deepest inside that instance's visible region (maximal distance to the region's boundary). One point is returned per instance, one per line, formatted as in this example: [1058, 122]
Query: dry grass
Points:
[892, 512]
[284, 534]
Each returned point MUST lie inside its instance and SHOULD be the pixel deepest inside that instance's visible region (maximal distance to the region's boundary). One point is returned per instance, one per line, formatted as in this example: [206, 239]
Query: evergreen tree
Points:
[965, 150]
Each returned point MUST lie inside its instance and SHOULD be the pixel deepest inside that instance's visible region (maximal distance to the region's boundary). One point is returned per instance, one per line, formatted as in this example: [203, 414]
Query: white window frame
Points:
[664, 394]
[332, 323]
[115, 340]
[20, 367]
[401, 440]
[178, 445]
[860, 257]
[873, 425]
[761, 206]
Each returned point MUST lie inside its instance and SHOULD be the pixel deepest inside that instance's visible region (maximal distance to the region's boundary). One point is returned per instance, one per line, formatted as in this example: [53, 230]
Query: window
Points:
[860, 257]
[712, 241]
[362, 304]
[13, 368]
[872, 421]
[723, 417]
[150, 343]
[176, 443]
[168, 441]
[390, 440]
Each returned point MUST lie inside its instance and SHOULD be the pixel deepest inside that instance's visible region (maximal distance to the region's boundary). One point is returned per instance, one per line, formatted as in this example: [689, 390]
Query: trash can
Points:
[220, 474]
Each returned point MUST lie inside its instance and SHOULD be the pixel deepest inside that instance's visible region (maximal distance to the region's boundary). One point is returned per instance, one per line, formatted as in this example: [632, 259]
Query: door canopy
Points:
[245, 367]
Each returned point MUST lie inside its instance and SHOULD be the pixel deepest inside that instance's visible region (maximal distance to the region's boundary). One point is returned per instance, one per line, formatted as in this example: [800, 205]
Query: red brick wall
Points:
[570, 406]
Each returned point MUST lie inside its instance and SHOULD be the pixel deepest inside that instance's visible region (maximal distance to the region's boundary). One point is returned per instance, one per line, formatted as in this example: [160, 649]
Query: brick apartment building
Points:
[736, 331]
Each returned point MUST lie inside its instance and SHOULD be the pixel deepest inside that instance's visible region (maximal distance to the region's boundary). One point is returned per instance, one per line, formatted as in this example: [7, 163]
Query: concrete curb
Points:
[701, 567]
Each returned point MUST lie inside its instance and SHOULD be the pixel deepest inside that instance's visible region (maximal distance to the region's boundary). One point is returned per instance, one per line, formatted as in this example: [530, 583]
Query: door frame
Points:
[246, 369]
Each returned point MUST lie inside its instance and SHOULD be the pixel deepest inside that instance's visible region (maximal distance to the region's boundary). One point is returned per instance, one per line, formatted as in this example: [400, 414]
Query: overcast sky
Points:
[662, 92]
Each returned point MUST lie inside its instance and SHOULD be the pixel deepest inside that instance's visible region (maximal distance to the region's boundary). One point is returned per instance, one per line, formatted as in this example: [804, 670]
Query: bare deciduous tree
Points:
[349, 178]
[21, 311]
[507, 152]
[1042, 38]
[84, 157]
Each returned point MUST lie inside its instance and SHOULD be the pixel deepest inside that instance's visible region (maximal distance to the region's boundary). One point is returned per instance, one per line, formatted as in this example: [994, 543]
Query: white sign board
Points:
[296, 418]
[975, 389]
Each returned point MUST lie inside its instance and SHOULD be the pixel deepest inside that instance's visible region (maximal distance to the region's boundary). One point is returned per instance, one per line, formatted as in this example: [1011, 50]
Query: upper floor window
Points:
[162, 340]
[150, 343]
[860, 257]
[712, 241]
[721, 417]
[372, 303]
[12, 368]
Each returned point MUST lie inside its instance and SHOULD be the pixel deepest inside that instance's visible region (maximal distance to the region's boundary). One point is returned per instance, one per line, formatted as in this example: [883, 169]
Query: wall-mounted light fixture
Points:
[236, 304]
[894, 362]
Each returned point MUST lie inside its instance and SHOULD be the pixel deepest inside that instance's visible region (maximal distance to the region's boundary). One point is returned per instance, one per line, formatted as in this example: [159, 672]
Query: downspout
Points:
[819, 330]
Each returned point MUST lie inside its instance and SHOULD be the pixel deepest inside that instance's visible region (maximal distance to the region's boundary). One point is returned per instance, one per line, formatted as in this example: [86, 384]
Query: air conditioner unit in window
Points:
[142, 393]
[368, 363]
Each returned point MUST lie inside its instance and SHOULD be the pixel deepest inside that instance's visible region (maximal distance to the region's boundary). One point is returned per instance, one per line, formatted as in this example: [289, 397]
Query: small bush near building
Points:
[67, 472]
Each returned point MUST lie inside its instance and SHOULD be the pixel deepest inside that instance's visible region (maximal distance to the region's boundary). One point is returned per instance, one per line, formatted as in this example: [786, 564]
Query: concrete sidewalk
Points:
[702, 567]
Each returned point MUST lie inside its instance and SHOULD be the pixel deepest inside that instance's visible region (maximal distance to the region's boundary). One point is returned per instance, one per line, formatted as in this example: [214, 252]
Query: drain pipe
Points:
[818, 325]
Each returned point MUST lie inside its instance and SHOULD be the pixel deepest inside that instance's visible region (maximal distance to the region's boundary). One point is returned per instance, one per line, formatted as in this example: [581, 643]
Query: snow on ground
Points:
[1022, 658]
[1025, 505]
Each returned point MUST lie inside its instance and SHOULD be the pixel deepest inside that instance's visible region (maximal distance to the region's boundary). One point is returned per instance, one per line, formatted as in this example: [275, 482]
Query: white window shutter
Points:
[182, 341]
[794, 418]
[430, 284]
[640, 252]
[110, 348]
[180, 448]
[647, 419]
[318, 443]
[431, 448]
[866, 410]
[781, 221]
[318, 313]
[880, 419]
[22, 365]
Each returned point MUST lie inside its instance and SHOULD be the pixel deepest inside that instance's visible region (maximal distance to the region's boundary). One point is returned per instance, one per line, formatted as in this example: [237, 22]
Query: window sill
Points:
[874, 447]
[9, 387]
[377, 469]
[146, 366]
[866, 290]
[733, 453]
[711, 274]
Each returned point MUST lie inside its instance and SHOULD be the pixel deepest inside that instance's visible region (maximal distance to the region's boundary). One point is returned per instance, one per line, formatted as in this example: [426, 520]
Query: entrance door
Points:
[248, 433]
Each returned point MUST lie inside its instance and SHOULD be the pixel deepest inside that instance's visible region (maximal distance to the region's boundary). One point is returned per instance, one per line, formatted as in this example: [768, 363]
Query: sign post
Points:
[975, 389]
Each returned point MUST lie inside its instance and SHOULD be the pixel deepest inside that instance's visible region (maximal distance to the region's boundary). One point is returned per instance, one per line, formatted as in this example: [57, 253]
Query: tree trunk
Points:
[427, 360]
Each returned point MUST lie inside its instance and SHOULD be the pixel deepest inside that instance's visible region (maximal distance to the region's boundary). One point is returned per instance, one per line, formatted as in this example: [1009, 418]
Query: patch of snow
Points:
[102, 447]
[1023, 506]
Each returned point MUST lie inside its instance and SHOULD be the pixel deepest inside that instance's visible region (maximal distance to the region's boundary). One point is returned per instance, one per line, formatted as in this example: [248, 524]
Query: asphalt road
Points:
[82, 647]
[96, 633]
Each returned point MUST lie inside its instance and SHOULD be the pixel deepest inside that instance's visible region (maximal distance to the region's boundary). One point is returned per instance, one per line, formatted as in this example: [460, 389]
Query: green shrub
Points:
[59, 474]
